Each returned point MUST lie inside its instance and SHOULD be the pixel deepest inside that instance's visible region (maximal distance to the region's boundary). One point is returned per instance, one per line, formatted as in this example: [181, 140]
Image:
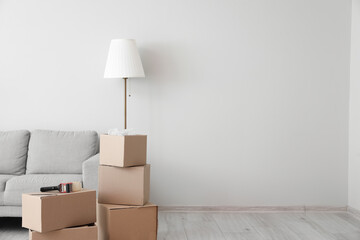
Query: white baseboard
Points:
[251, 209]
[325, 209]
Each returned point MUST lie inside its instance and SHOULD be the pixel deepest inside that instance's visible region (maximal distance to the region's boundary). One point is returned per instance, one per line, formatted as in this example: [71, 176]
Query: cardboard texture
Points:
[127, 222]
[75, 233]
[129, 186]
[45, 212]
[123, 151]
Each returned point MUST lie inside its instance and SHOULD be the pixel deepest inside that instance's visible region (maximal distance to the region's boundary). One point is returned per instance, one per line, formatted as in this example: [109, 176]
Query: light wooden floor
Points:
[236, 225]
[258, 226]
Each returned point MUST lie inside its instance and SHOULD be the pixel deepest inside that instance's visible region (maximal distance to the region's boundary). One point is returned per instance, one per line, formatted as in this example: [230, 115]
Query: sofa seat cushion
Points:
[60, 152]
[13, 151]
[18, 185]
[3, 180]
[1, 198]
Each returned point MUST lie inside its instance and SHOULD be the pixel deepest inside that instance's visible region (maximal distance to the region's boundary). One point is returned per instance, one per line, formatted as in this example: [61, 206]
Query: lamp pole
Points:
[125, 106]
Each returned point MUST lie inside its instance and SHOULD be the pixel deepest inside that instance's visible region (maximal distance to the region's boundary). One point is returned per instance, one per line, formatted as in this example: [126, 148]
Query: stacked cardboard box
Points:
[55, 216]
[124, 183]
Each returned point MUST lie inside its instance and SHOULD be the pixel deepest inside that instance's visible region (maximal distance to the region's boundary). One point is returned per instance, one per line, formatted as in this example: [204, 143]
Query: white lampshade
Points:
[123, 60]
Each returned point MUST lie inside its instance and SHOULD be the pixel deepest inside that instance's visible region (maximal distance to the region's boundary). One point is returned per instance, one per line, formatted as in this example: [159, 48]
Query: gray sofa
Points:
[29, 161]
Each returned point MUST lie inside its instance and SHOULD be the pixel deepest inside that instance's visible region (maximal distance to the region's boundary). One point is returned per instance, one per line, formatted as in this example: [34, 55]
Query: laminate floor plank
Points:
[203, 230]
[170, 227]
[266, 226]
[348, 236]
[351, 219]
[243, 236]
[331, 223]
[236, 226]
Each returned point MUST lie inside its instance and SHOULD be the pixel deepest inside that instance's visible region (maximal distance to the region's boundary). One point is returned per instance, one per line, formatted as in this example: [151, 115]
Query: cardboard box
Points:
[45, 212]
[89, 232]
[129, 186]
[127, 222]
[123, 151]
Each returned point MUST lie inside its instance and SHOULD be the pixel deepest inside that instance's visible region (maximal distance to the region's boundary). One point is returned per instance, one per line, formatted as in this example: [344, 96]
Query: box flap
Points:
[115, 207]
[53, 193]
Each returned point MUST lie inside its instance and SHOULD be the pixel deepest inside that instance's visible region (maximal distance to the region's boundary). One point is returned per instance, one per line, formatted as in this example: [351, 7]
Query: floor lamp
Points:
[124, 62]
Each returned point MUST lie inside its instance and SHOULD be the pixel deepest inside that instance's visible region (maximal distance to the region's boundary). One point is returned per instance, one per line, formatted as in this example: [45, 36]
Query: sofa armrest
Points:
[90, 172]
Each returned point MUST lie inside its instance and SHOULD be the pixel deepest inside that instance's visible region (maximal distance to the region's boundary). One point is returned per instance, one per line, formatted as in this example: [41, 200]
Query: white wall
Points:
[245, 101]
[354, 120]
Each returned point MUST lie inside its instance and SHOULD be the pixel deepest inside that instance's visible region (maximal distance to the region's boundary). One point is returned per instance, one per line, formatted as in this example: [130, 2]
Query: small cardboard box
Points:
[127, 222]
[129, 186]
[89, 232]
[45, 212]
[123, 151]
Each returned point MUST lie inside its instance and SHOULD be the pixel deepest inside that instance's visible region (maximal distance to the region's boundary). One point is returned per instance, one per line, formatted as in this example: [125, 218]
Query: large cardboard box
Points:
[45, 212]
[89, 232]
[129, 186]
[127, 222]
[123, 151]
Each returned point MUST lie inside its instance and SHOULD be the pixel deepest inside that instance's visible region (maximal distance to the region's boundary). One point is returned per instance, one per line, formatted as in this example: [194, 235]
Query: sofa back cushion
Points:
[60, 152]
[13, 151]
